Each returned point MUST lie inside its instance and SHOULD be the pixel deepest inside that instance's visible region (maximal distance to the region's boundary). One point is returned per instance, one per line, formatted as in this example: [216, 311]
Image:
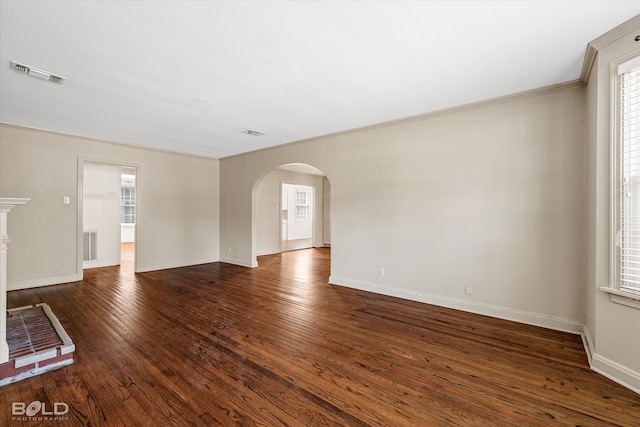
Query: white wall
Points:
[326, 212]
[611, 329]
[491, 196]
[267, 219]
[101, 212]
[178, 208]
[127, 233]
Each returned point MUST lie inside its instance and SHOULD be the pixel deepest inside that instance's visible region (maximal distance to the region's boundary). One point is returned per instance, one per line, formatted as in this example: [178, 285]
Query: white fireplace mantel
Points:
[6, 204]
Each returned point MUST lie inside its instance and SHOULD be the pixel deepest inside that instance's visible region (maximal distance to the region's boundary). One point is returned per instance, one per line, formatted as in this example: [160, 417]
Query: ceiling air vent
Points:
[253, 132]
[35, 72]
[21, 68]
[56, 79]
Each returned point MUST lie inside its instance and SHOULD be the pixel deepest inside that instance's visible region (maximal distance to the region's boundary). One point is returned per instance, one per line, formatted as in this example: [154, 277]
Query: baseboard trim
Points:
[271, 251]
[240, 262]
[587, 342]
[45, 281]
[606, 367]
[500, 312]
[616, 372]
[57, 280]
[167, 266]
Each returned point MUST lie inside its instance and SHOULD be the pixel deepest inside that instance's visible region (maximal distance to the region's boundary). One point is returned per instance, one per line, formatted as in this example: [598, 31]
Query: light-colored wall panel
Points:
[178, 212]
[491, 196]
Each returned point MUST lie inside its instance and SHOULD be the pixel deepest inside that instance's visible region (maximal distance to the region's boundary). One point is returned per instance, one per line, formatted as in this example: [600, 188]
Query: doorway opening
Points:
[108, 215]
[297, 224]
[127, 218]
[287, 197]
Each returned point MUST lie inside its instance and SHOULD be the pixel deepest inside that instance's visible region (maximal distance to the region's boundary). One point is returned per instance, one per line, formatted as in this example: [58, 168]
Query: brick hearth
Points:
[37, 343]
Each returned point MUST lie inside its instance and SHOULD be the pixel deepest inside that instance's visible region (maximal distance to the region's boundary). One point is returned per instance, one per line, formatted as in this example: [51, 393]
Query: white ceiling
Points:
[190, 76]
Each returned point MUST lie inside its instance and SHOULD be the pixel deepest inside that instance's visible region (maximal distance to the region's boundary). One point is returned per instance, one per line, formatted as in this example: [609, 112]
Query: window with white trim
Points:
[128, 199]
[302, 205]
[627, 177]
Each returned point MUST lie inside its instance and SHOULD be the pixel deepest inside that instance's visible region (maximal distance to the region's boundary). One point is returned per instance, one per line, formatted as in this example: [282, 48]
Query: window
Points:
[302, 205]
[128, 200]
[627, 177]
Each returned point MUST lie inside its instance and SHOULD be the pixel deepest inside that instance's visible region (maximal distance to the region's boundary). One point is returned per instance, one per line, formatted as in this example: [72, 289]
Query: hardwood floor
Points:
[218, 344]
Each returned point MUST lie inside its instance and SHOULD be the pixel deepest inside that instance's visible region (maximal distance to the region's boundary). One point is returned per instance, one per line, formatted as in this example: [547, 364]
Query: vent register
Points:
[90, 245]
[253, 132]
[45, 75]
[36, 72]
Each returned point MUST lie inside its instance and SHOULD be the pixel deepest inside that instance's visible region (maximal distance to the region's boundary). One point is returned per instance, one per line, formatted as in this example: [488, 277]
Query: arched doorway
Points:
[286, 199]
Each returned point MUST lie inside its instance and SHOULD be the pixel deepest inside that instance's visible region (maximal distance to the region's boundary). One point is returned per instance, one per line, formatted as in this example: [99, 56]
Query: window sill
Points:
[628, 298]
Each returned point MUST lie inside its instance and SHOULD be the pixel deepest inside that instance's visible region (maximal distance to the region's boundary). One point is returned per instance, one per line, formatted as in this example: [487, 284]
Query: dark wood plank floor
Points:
[218, 344]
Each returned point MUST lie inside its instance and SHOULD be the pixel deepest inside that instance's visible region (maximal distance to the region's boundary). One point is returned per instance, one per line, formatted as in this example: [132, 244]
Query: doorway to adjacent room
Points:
[297, 217]
[108, 215]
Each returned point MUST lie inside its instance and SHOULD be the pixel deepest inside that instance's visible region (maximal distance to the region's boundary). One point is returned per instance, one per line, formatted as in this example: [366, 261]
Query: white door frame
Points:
[81, 163]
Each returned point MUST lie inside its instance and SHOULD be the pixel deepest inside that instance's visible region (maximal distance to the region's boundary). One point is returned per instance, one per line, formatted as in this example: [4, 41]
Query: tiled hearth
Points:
[37, 343]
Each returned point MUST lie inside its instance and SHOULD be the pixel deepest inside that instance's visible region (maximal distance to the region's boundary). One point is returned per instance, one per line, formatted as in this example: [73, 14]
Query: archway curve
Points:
[266, 206]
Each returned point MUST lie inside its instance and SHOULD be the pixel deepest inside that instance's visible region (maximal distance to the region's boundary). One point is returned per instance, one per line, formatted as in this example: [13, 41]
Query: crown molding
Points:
[587, 64]
[102, 141]
[486, 103]
[607, 38]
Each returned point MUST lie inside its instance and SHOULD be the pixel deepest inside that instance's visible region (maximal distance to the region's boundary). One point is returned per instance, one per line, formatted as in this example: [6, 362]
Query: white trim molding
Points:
[628, 298]
[45, 281]
[604, 366]
[616, 372]
[607, 38]
[240, 262]
[587, 343]
[169, 265]
[500, 312]
[6, 204]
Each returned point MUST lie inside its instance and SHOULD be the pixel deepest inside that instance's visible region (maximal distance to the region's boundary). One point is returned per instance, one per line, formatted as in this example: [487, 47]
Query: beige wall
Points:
[491, 196]
[611, 329]
[177, 216]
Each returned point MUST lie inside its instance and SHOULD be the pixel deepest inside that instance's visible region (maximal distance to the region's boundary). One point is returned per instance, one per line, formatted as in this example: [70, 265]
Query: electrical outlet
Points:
[381, 272]
[468, 289]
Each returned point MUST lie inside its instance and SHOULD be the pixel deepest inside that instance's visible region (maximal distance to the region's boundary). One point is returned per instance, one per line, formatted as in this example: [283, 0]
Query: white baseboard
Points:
[616, 372]
[268, 251]
[240, 262]
[587, 343]
[57, 280]
[608, 368]
[168, 265]
[45, 281]
[506, 313]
